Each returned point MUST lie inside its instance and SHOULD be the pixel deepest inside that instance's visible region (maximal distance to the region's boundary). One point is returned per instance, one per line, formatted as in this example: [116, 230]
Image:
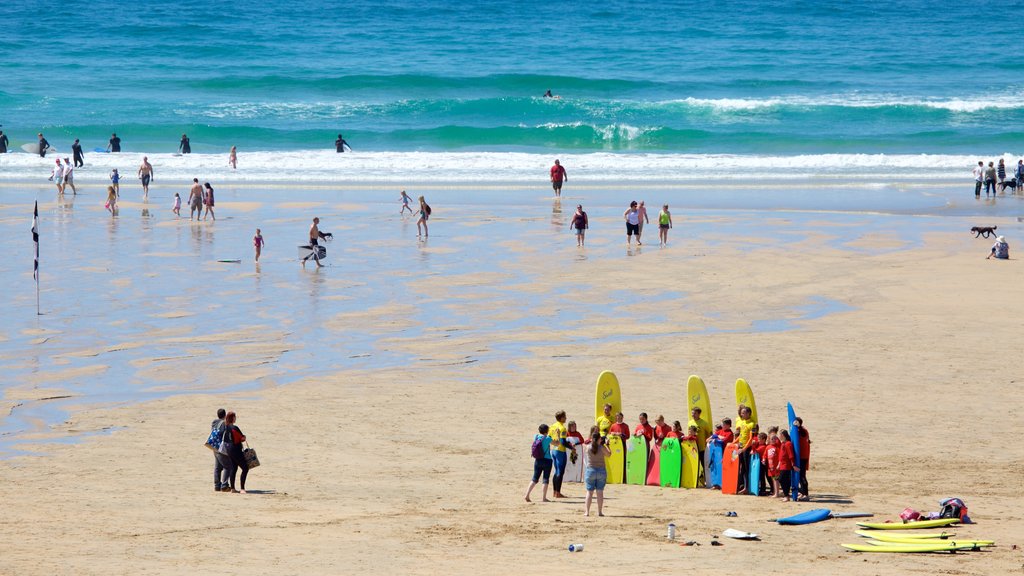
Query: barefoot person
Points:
[57, 177]
[69, 176]
[424, 216]
[233, 158]
[596, 476]
[1000, 250]
[559, 435]
[580, 224]
[314, 240]
[235, 438]
[257, 242]
[558, 176]
[641, 212]
[208, 201]
[541, 452]
[195, 199]
[405, 198]
[632, 218]
[146, 175]
[664, 224]
[111, 200]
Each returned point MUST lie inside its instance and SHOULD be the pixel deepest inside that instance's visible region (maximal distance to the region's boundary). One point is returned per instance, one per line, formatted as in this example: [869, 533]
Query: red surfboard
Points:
[731, 468]
[654, 466]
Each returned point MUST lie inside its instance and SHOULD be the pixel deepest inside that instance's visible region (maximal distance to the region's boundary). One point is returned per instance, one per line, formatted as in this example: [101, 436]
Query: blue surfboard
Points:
[809, 517]
[754, 480]
[794, 437]
[101, 150]
[715, 452]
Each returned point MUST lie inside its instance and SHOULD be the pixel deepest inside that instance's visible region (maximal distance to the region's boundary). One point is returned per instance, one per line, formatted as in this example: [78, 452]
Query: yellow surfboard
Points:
[697, 397]
[607, 393]
[908, 525]
[906, 548]
[877, 535]
[691, 464]
[917, 541]
[745, 397]
[615, 464]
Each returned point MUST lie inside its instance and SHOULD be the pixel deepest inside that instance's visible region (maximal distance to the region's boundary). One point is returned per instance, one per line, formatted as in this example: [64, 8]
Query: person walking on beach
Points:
[541, 452]
[257, 242]
[176, 207]
[632, 217]
[43, 145]
[664, 224]
[221, 464]
[233, 158]
[57, 177]
[979, 178]
[990, 179]
[580, 224]
[114, 144]
[424, 216]
[405, 198]
[184, 146]
[559, 456]
[146, 175]
[340, 144]
[596, 475]
[111, 204]
[1000, 250]
[195, 199]
[558, 175]
[235, 438]
[76, 151]
[3, 142]
[642, 219]
[314, 240]
[69, 176]
[208, 201]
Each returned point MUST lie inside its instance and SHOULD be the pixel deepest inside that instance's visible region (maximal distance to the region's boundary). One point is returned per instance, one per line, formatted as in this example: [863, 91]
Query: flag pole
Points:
[35, 239]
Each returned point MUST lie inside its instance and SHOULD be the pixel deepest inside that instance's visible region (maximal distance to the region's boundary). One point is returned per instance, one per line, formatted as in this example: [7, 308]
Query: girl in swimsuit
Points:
[257, 241]
[424, 215]
[208, 201]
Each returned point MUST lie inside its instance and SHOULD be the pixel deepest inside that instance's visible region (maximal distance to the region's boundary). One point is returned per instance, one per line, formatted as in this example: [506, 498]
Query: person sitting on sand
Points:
[1000, 249]
[541, 461]
[644, 428]
[235, 438]
[559, 456]
[596, 475]
[604, 421]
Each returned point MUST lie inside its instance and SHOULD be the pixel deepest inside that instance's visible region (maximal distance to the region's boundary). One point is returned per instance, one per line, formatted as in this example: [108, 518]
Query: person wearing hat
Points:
[76, 149]
[340, 145]
[1000, 249]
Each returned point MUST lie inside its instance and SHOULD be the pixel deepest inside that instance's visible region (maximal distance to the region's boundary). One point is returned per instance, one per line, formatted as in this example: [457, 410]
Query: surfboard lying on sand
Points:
[33, 148]
[877, 538]
[884, 536]
[738, 534]
[908, 525]
[808, 517]
[907, 548]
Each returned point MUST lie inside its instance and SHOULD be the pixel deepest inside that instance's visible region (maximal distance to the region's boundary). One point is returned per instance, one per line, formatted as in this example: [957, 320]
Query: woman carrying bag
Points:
[234, 437]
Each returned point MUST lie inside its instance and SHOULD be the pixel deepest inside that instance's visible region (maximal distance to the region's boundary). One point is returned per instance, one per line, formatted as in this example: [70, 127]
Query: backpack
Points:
[954, 508]
[537, 450]
[427, 208]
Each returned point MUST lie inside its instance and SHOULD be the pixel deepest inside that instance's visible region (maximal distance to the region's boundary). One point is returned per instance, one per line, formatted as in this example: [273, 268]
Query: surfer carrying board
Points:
[314, 240]
[43, 145]
[340, 144]
[114, 145]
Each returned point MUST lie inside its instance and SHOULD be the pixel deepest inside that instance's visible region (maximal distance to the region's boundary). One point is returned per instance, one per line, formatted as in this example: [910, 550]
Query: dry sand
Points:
[909, 395]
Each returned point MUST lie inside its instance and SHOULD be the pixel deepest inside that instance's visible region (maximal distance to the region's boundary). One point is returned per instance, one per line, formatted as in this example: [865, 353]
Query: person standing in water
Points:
[558, 175]
[69, 176]
[208, 201]
[340, 144]
[146, 175]
[111, 200]
[632, 217]
[405, 203]
[57, 177]
[3, 142]
[114, 145]
[314, 240]
[184, 146]
[195, 199]
[641, 212]
[43, 146]
[424, 216]
[233, 158]
[76, 150]
[580, 224]
[664, 224]
[257, 242]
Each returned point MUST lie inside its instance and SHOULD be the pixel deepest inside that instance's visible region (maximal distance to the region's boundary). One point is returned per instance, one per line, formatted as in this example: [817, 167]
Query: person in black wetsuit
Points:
[76, 148]
[43, 146]
[340, 145]
[3, 142]
[184, 147]
[115, 143]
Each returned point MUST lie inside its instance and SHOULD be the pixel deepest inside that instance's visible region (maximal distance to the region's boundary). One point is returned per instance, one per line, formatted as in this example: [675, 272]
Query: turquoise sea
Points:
[743, 77]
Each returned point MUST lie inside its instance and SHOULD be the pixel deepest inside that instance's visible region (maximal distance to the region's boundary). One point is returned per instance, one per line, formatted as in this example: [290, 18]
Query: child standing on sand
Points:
[786, 464]
[771, 456]
[405, 203]
[257, 242]
[176, 207]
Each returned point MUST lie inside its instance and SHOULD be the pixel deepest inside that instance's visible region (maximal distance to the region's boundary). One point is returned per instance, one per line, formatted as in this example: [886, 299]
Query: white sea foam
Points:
[482, 167]
[996, 102]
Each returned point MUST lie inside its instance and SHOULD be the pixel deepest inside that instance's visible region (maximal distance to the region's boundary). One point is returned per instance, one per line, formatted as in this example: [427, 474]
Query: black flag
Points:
[35, 239]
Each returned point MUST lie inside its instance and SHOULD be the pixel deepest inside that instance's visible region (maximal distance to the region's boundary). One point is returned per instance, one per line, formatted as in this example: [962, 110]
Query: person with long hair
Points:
[424, 216]
[596, 475]
[235, 438]
[208, 201]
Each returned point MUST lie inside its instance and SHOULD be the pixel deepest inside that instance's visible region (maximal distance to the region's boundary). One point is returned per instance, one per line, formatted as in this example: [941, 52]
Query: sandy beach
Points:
[392, 395]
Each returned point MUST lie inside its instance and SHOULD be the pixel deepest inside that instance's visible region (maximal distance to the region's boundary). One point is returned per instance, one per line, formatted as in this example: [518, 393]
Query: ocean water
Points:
[753, 78]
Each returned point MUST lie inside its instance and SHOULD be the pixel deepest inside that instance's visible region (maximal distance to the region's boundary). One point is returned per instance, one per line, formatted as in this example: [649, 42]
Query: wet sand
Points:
[392, 395]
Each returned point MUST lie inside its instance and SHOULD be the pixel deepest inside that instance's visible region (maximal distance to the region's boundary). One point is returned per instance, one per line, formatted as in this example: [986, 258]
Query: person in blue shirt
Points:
[541, 452]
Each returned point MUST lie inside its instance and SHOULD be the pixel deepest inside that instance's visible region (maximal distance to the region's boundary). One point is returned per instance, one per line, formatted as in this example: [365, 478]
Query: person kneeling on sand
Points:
[541, 452]
[1000, 250]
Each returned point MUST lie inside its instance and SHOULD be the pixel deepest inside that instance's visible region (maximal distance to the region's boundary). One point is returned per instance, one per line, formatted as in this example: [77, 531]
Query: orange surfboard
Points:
[731, 468]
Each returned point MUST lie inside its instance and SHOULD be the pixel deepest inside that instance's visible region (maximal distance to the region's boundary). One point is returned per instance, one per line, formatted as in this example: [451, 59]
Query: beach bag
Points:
[250, 457]
[426, 207]
[954, 508]
[213, 440]
[909, 515]
[225, 446]
[537, 450]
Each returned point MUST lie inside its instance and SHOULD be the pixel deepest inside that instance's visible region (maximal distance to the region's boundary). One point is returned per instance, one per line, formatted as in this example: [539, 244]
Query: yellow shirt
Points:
[743, 428]
[603, 424]
[703, 431]
[558, 432]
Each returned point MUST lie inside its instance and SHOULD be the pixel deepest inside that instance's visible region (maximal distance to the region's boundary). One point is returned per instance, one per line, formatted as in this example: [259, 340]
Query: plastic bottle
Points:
[671, 531]
[575, 547]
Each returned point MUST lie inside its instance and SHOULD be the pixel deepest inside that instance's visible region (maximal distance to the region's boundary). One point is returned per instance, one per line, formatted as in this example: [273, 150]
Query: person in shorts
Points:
[596, 476]
[579, 224]
[632, 217]
[558, 175]
[541, 462]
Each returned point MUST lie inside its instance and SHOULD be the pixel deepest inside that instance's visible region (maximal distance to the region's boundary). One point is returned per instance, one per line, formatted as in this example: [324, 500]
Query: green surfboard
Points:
[636, 460]
[671, 462]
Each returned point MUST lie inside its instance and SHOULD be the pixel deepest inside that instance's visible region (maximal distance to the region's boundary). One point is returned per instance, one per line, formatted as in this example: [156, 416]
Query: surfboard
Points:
[616, 463]
[885, 536]
[101, 150]
[738, 534]
[654, 466]
[33, 148]
[731, 468]
[671, 462]
[636, 460]
[607, 392]
[754, 479]
[697, 397]
[907, 548]
[852, 514]
[969, 542]
[745, 397]
[808, 517]
[306, 252]
[909, 525]
[715, 453]
[229, 261]
[574, 470]
[691, 464]
[794, 475]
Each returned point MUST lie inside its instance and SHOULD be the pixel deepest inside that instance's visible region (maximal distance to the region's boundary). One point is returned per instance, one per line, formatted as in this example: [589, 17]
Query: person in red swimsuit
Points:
[644, 428]
[558, 175]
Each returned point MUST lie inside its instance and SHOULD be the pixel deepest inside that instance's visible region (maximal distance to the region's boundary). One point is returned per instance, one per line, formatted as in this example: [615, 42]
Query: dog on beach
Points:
[1011, 184]
[984, 231]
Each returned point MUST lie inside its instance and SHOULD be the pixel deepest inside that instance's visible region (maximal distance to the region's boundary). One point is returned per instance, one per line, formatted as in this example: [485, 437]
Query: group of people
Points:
[226, 466]
[774, 448]
[995, 175]
[200, 196]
